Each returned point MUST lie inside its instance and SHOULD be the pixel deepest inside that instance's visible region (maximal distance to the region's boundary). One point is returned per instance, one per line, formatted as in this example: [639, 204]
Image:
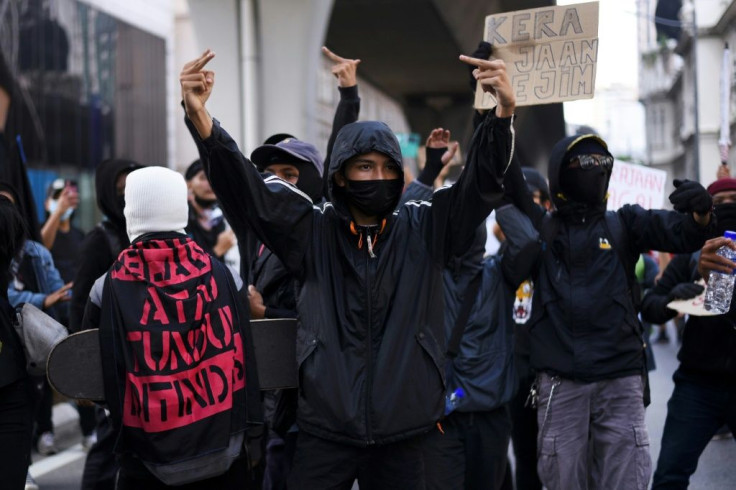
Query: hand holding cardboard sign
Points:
[196, 87]
[493, 78]
[344, 69]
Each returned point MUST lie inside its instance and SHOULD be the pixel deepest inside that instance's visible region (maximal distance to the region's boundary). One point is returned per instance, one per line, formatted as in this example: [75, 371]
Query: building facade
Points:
[681, 48]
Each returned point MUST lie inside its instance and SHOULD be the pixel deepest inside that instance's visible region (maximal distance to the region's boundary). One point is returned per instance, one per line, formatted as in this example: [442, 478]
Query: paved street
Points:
[716, 471]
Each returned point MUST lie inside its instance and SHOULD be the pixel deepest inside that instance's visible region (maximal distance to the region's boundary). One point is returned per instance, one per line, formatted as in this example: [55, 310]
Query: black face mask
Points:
[585, 186]
[374, 197]
[121, 202]
[205, 203]
[726, 217]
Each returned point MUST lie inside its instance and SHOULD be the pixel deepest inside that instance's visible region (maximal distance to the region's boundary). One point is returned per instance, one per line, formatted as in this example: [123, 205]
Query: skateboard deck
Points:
[74, 367]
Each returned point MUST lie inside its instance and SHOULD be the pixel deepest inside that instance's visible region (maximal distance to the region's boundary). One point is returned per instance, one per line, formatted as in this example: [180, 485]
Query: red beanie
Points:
[720, 185]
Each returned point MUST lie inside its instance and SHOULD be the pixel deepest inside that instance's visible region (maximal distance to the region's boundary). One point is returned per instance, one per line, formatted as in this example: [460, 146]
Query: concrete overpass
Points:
[409, 49]
[268, 62]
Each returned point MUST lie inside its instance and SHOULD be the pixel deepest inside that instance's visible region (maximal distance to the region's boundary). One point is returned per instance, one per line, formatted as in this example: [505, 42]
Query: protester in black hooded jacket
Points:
[102, 245]
[586, 341]
[272, 288]
[370, 296]
[704, 398]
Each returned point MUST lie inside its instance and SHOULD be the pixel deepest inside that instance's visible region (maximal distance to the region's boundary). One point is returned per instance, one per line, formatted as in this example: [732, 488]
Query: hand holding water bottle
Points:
[720, 277]
[710, 260]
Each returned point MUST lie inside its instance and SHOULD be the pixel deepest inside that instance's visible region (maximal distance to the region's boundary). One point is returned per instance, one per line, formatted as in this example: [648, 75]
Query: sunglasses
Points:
[587, 162]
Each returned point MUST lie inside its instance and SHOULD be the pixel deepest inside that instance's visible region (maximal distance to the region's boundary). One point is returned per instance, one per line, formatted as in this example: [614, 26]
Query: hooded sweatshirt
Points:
[172, 340]
[584, 325]
[370, 341]
[105, 241]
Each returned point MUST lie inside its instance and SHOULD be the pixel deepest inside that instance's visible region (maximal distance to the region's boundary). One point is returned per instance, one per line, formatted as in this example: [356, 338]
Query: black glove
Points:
[690, 196]
[684, 290]
[483, 51]
[432, 165]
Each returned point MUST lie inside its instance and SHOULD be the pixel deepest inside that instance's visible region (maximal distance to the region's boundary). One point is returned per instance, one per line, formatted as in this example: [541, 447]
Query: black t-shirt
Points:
[66, 252]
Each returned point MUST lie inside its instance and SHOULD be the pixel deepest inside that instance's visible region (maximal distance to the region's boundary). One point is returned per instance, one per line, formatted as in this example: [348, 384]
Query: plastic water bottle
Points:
[453, 399]
[719, 292]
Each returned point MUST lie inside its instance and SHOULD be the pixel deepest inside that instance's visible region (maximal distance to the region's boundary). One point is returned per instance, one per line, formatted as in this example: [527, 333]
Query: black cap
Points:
[193, 169]
[287, 151]
[278, 138]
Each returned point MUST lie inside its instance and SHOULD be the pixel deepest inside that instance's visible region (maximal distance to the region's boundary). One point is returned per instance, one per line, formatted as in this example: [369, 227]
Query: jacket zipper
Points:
[369, 356]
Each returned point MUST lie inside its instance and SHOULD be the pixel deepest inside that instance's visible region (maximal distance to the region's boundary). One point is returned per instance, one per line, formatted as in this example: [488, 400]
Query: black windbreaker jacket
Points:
[708, 350]
[370, 346]
[584, 325]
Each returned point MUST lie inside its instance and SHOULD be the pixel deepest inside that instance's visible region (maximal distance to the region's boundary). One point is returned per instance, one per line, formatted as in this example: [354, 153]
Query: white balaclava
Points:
[155, 201]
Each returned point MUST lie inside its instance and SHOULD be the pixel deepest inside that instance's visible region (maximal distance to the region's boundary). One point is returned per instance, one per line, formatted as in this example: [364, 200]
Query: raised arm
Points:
[277, 212]
[457, 211]
[346, 72]
[439, 153]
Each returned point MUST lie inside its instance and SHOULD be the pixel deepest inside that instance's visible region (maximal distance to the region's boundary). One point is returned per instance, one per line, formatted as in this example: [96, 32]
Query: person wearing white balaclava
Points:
[155, 201]
[164, 293]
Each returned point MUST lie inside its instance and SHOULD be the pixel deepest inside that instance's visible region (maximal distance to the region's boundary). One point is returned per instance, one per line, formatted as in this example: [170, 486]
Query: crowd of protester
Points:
[419, 360]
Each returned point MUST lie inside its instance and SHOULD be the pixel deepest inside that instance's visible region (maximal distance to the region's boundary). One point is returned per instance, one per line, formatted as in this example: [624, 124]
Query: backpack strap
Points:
[453, 345]
[619, 237]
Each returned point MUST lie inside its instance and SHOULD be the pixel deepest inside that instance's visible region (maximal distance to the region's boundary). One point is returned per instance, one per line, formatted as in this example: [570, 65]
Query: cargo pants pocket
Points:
[643, 459]
[548, 464]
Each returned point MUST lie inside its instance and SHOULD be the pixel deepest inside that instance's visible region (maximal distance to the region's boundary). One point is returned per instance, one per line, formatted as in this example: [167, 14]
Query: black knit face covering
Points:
[374, 197]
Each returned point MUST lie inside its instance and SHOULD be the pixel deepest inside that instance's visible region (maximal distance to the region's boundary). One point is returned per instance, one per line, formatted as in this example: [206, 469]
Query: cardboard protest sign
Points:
[550, 53]
[636, 184]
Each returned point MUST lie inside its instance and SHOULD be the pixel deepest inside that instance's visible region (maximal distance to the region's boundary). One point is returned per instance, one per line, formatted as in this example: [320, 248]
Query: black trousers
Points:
[44, 399]
[16, 424]
[101, 467]
[471, 454]
[524, 429]
[236, 478]
[320, 464]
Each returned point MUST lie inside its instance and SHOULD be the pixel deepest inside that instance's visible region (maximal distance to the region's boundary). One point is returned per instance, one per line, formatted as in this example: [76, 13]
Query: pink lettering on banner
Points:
[156, 402]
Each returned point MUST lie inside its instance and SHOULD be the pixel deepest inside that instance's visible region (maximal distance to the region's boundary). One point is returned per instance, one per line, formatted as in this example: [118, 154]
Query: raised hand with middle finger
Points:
[344, 69]
[494, 79]
[196, 82]
[196, 88]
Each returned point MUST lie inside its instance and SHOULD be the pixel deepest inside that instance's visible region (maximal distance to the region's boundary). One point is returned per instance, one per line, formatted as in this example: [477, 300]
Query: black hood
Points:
[356, 139]
[107, 200]
[556, 161]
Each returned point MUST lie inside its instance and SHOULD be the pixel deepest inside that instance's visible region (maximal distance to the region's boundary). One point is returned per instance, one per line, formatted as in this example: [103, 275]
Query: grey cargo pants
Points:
[592, 435]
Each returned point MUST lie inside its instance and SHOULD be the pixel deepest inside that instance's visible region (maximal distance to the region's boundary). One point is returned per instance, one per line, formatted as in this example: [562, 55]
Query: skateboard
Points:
[74, 366]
